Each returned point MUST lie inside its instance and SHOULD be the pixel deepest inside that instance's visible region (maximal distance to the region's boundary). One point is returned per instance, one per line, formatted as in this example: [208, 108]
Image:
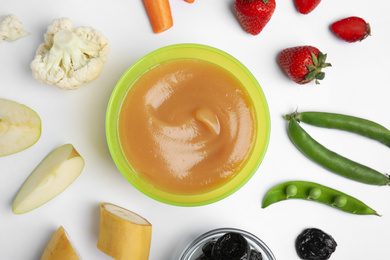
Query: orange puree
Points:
[187, 126]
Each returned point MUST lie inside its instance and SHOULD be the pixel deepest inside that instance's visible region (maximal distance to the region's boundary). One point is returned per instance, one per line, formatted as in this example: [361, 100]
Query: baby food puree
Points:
[187, 126]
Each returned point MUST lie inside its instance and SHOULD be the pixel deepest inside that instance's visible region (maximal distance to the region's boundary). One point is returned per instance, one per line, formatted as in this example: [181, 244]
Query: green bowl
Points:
[200, 52]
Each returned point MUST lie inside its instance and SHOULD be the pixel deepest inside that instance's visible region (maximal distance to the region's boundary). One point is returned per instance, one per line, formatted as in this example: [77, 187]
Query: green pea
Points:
[325, 195]
[347, 123]
[315, 193]
[331, 160]
[291, 190]
[340, 201]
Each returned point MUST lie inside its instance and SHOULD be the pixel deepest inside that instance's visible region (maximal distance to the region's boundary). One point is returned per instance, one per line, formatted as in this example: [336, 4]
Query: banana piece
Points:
[60, 247]
[123, 235]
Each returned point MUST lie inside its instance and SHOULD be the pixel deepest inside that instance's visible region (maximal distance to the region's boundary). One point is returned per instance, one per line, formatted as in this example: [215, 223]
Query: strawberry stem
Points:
[368, 32]
[315, 69]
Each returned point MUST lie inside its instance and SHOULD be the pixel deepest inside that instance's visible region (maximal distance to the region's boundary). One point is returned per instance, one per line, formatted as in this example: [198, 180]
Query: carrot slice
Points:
[160, 16]
[189, 1]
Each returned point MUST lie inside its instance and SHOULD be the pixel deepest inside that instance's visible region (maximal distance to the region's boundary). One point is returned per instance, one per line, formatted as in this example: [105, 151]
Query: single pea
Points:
[291, 190]
[340, 201]
[315, 193]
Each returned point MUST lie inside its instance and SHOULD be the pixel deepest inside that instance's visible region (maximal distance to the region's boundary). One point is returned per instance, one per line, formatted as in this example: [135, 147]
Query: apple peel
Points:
[20, 127]
[52, 176]
[123, 234]
[60, 247]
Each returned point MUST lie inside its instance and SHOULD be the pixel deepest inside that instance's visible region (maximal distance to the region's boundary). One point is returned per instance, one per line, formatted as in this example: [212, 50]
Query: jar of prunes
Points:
[227, 244]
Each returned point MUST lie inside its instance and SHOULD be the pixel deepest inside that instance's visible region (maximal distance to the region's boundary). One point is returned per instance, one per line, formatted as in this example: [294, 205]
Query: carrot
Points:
[160, 16]
[189, 1]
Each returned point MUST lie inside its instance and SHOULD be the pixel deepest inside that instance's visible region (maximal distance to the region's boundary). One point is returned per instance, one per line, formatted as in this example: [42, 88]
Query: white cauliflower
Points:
[11, 28]
[70, 57]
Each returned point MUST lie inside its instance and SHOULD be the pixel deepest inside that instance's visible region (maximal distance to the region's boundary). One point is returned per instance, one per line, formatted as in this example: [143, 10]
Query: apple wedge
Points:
[20, 127]
[123, 235]
[53, 175]
[60, 247]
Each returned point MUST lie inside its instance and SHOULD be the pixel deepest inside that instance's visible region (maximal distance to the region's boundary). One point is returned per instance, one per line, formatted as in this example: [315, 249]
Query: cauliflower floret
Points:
[70, 57]
[11, 28]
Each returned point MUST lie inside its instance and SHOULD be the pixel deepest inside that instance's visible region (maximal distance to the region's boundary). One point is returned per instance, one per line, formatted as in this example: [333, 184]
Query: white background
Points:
[356, 84]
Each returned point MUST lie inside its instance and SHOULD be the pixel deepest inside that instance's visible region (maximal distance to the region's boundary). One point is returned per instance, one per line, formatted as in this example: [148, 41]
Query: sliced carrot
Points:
[160, 16]
[190, 1]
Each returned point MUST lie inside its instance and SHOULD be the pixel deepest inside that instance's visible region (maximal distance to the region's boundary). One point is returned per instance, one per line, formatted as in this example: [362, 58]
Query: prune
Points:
[231, 246]
[255, 255]
[315, 244]
[207, 248]
[203, 257]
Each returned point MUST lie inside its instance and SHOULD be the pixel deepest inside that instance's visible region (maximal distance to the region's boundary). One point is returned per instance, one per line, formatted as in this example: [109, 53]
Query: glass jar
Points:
[194, 249]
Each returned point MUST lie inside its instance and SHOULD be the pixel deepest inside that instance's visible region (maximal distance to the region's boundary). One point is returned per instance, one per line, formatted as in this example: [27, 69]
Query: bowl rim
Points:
[200, 239]
[127, 79]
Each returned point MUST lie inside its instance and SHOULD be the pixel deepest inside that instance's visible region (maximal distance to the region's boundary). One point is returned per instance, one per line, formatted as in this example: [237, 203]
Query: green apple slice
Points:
[20, 127]
[52, 176]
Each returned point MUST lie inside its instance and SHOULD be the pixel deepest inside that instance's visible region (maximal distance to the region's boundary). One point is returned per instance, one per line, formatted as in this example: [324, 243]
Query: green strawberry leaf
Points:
[315, 69]
[314, 58]
[321, 57]
[320, 76]
[310, 76]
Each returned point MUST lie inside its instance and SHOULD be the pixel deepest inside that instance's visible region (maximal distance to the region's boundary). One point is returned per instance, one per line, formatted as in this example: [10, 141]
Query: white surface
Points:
[357, 84]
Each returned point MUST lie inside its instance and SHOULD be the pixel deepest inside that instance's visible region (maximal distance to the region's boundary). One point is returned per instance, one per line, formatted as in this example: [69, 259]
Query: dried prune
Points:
[315, 244]
[255, 255]
[231, 246]
[208, 247]
[203, 257]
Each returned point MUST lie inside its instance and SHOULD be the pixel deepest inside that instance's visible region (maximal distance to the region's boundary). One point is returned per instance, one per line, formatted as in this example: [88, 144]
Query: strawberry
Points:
[254, 14]
[306, 6]
[303, 63]
[351, 29]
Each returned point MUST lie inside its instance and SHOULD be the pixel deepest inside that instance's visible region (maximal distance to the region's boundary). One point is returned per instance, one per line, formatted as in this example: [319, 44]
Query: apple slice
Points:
[53, 175]
[20, 127]
[123, 234]
[60, 247]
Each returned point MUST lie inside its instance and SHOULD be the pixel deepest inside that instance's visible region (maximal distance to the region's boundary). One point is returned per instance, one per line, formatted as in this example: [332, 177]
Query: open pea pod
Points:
[318, 193]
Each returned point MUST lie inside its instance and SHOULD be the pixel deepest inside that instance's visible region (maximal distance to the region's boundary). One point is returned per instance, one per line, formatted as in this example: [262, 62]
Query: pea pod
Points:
[318, 193]
[347, 123]
[331, 160]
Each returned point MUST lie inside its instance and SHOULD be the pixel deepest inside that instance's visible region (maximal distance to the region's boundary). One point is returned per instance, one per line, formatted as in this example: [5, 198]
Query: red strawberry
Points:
[254, 14]
[303, 63]
[351, 29]
[306, 6]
